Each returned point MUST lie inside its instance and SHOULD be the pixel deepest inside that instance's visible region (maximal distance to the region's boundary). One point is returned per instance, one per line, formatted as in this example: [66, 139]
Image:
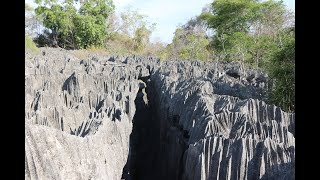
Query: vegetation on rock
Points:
[30, 45]
[259, 34]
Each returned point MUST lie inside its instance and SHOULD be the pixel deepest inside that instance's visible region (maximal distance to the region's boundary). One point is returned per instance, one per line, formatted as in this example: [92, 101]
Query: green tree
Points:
[259, 34]
[281, 70]
[141, 38]
[246, 30]
[229, 16]
[76, 29]
[131, 32]
[230, 21]
[190, 41]
[132, 20]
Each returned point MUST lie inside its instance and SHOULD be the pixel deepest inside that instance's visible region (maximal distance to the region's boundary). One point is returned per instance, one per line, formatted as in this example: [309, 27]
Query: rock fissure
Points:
[143, 160]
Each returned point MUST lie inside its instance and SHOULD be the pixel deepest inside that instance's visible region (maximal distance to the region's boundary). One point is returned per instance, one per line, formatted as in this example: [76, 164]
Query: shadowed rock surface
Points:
[135, 117]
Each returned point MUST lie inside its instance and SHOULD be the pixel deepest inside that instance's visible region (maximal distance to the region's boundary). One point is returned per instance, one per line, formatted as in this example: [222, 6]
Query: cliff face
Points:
[136, 118]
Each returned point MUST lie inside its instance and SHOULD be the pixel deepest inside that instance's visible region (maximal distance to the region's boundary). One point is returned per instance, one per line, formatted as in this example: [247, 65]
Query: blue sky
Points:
[168, 14]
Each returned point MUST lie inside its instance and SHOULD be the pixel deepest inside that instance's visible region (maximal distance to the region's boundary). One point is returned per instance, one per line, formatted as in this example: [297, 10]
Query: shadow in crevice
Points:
[125, 171]
[143, 161]
[284, 171]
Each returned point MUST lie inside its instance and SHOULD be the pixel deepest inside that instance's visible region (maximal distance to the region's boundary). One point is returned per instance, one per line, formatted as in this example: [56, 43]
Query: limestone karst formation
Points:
[139, 118]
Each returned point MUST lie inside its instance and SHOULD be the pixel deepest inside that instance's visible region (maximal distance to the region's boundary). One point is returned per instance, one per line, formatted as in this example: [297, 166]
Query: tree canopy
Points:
[281, 70]
[131, 32]
[73, 28]
[258, 34]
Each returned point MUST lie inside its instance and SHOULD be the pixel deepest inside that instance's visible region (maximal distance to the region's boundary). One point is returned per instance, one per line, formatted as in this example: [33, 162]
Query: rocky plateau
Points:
[139, 118]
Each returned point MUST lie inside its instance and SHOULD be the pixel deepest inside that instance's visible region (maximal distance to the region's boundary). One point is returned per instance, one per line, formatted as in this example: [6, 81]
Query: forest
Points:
[257, 34]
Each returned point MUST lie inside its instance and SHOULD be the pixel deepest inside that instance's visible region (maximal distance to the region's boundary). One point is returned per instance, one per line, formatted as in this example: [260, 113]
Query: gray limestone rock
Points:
[134, 117]
[78, 117]
[215, 125]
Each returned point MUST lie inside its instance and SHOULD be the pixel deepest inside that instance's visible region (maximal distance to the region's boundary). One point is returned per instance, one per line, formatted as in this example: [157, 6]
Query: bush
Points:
[30, 45]
[282, 74]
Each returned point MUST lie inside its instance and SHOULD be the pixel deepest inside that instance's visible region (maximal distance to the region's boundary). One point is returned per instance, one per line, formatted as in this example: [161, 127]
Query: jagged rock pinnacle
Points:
[134, 117]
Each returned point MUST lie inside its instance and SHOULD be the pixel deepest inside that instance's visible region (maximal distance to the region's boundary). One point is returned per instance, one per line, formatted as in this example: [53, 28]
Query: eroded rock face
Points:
[214, 124]
[78, 115]
[102, 117]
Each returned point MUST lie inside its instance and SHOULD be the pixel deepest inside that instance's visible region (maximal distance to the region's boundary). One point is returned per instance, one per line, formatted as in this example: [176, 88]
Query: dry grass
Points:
[85, 53]
[80, 54]
[30, 46]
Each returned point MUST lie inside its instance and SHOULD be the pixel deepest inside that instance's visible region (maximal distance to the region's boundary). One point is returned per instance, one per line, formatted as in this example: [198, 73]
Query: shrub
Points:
[282, 74]
[30, 45]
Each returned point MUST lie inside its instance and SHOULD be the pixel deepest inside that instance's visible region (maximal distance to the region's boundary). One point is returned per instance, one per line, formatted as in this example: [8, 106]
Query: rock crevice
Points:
[134, 117]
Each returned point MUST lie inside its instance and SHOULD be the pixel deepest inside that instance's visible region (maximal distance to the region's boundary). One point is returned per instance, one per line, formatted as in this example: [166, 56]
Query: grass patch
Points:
[30, 45]
[98, 51]
[84, 53]
[80, 54]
